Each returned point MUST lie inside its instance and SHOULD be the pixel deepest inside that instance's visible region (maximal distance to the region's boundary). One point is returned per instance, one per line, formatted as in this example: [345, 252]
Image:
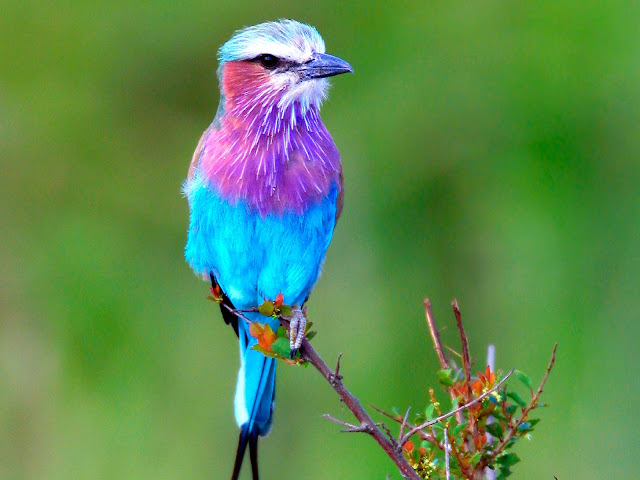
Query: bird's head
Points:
[276, 64]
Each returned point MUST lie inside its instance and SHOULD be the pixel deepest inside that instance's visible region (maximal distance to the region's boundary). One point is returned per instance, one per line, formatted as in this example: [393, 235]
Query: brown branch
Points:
[466, 364]
[387, 431]
[402, 426]
[367, 425]
[532, 404]
[350, 426]
[464, 468]
[336, 372]
[466, 358]
[433, 330]
[437, 345]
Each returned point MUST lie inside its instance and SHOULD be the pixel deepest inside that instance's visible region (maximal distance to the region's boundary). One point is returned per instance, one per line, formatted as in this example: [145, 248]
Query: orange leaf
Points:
[255, 329]
[477, 387]
[269, 335]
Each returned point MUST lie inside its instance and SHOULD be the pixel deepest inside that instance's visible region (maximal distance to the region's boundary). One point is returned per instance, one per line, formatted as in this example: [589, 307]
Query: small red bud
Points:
[408, 446]
[279, 300]
[422, 451]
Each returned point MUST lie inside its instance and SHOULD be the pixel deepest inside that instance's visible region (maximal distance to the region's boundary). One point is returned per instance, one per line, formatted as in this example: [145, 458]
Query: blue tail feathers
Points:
[255, 393]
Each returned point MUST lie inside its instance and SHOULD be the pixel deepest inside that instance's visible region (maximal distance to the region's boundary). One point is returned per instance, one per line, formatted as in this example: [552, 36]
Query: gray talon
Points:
[297, 327]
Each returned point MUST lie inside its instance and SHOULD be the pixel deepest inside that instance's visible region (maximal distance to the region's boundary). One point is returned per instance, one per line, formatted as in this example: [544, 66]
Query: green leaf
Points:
[511, 409]
[458, 428]
[516, 398]
[512, 441]
[429, 411]
[508, 459]
[310, 335]
[524, 378]
[498, 415]
[475, 458]
[533, 421]
[494, 429]
[266, 309]
[504, 473]
[444, 376]
[285, 310]
[281, 347]
[281, 332]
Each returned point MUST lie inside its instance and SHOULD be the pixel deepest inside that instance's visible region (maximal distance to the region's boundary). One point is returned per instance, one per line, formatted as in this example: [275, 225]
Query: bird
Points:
[265, 190]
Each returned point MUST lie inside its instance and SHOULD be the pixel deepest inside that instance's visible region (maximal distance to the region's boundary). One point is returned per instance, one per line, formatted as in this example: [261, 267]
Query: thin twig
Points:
[453, 412]
[446, 452]
[532, 404]
[453, 352]
[433, 330]
[386, 430]
[338, 421]
[466, 365]
[402, 426]
[461, 463]
[336, 373]
[396, 418]
[466, 358]
[239, 313]
[437, 345]
[490, 474]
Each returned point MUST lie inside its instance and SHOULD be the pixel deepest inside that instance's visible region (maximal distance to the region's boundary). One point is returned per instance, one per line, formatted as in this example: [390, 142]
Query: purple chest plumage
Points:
[275, 158]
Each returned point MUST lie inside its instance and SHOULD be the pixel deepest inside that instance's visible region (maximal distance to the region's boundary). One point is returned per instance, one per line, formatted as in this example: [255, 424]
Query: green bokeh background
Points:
[491, 153]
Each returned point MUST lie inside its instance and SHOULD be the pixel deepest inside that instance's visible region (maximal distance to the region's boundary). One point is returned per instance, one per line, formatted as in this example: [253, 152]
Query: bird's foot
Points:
[297, 327]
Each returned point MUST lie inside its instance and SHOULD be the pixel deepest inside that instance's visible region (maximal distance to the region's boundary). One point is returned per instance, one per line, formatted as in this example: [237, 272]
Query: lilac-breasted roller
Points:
[265, 191]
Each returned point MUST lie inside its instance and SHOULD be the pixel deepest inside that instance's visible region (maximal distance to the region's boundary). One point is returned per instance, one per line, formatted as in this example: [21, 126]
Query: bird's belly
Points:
[255, 257]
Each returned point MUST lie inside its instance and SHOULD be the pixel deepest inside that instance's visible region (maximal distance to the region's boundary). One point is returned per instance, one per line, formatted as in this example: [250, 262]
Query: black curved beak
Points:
[323, 65]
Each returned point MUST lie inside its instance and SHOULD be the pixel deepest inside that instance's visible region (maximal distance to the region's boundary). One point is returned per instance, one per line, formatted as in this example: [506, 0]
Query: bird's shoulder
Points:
[198, 151]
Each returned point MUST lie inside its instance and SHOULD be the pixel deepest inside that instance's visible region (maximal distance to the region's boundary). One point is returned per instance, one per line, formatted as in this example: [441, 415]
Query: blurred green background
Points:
[491, 153]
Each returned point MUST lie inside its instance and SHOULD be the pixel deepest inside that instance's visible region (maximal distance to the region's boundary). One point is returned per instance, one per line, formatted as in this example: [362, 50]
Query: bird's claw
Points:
[297, 327]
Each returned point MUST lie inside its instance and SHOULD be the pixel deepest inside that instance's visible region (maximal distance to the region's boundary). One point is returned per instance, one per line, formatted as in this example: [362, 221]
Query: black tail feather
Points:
[250, 438]
[253, 454]
[242, 446]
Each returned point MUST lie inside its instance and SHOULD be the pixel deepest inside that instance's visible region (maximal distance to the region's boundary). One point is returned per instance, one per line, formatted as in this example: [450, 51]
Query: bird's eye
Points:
[270, 62]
